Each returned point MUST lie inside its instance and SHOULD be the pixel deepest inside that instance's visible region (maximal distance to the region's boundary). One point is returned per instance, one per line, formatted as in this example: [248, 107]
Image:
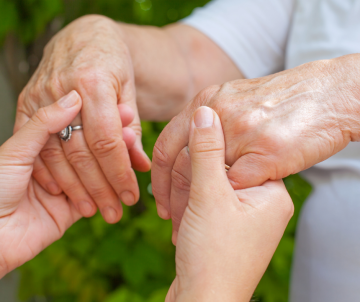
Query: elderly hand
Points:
[31, 218]
[273, 126]
[227, 237]
[94, 167]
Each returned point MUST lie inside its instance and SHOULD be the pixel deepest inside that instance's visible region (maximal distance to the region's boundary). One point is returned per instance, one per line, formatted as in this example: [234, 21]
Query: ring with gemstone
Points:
[66, 133]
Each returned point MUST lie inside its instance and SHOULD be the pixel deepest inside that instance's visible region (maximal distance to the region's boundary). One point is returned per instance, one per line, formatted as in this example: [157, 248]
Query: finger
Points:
[180, 189]
[207, 152]
[129, 137]
[102, 129]
[249, 171]
[126, 114]
[26, 144]
[64, 174]
[139, 159]
[171, 141]
[90, 173]
[43, 176]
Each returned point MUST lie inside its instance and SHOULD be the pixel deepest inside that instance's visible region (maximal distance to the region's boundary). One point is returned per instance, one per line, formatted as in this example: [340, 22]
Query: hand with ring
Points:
[94, 167]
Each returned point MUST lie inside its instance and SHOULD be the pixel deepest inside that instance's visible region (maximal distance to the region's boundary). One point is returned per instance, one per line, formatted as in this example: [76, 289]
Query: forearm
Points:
[171, 65]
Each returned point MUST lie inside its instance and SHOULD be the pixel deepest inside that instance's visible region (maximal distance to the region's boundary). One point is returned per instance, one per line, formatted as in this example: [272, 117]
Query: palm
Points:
[39, 220]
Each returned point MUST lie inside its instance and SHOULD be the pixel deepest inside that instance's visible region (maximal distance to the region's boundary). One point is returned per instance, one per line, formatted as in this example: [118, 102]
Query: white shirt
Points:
[266, 36]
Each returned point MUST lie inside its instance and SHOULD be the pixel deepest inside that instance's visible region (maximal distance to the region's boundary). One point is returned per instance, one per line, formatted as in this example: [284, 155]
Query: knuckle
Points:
[53, 87]
[210, 145]
[206, 94]
[100, 193]
[105, 147]
[41, 116]
[52, 155]
[287, 205]
[179, 181]
[81, 160]
[34, 91]
[39, 170]
[90, 78]
[160, 157]
[122, 177]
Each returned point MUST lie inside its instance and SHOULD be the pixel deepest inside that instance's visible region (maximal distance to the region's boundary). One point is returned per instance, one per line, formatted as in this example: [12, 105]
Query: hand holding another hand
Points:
[227, 237]
[273, 126]
[30, 218]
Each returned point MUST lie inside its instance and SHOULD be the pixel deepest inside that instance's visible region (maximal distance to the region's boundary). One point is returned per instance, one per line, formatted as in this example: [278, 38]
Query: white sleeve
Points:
[253, 33]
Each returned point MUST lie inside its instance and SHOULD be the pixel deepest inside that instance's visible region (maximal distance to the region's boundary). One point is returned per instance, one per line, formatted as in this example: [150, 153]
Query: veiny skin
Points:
[273, 126]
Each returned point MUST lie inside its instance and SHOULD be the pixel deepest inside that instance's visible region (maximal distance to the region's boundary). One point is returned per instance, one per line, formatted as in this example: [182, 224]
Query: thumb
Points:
[207, 151]
[27, 143]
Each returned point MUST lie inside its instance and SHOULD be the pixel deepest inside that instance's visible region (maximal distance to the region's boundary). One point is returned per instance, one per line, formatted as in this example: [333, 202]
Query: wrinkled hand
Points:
[227, 237]
[30, 218]
[94, 167]
[273, 126]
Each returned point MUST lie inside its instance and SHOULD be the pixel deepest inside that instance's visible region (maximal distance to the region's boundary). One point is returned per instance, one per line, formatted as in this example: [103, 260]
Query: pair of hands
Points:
[274, 126]
[31, 218]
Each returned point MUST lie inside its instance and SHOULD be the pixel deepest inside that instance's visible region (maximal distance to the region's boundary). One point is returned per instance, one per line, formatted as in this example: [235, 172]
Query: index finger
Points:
[171, 141]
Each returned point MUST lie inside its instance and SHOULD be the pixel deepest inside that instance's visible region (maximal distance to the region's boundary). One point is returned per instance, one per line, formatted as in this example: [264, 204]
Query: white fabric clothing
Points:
[266, 36]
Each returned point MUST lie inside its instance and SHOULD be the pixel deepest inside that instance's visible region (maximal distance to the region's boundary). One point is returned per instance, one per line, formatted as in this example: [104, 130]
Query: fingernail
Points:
[127, 197]
[69, 100]
[85, 208]
[162, 212]
[53, 188]
[204, 117]
[109, 214]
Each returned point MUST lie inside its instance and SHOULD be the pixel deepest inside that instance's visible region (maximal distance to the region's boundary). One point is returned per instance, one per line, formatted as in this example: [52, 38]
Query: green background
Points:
[132, 261]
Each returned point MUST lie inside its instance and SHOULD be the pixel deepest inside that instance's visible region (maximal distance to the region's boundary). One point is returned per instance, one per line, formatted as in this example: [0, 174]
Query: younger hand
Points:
[227, 237]
[30, 218]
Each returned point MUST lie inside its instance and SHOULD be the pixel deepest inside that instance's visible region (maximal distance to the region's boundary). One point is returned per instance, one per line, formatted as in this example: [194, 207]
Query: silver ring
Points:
[66, 133]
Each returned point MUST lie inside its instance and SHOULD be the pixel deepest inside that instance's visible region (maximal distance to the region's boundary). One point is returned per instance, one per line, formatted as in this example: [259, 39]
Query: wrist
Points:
[346, 75]
[163, 83]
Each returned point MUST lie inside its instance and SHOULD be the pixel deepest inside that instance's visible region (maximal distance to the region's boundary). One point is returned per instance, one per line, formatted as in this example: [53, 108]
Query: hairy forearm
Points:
[171, 65]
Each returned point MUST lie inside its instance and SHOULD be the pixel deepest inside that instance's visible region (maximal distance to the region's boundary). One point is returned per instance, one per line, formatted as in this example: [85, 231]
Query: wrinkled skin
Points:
[227, 237]
[274, 126]
[94, 168]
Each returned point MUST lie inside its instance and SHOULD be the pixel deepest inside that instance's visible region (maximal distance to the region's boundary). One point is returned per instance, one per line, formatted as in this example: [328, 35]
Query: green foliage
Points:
[27, 18]
[131, 261]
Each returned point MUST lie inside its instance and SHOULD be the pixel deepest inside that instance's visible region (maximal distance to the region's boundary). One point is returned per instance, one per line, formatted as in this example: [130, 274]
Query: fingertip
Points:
[139, 159]
[129, 137]
[126, 114]
[111, 215]
[162, 212]
[70, 100]
[128, 198]
[174, 237]
[53, 188]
